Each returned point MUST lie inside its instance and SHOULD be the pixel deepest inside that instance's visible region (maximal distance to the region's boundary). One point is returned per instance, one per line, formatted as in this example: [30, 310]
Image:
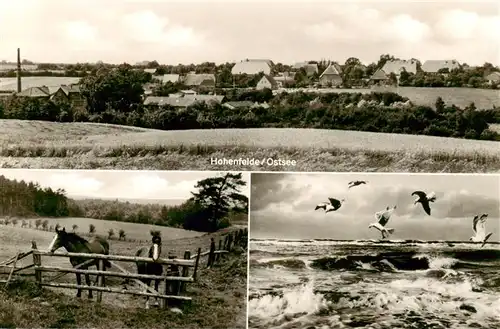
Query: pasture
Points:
[216, 302]
[10, 84]
[33, 144]
[461, 97]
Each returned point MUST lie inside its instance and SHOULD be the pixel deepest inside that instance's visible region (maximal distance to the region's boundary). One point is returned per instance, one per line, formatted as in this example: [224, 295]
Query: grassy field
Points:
[8, 84]
[33, 144]
[217, 302]
[482, 98]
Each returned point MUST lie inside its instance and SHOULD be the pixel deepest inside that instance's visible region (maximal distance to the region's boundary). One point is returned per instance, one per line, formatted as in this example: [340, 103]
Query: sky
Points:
[137, 185]
[282, 205]
[172, 32]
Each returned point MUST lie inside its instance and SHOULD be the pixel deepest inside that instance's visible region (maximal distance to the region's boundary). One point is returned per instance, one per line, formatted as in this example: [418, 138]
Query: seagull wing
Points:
[420, 194]
[481, 227]
[474, 223]
[427, 207]
[383, 216]
[335, 203]
[484, 216]
[320, 205]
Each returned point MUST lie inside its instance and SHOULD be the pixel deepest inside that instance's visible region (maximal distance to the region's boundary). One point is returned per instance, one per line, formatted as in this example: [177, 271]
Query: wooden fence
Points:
[175, 279]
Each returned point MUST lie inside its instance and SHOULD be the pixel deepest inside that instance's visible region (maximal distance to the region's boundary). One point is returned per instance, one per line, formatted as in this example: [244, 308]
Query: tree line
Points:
[217, 201]
[353, 73]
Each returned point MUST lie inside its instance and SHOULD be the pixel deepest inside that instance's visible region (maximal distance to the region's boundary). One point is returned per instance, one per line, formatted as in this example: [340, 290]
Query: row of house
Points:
[66, 93]
[430, 66]
[188, 98]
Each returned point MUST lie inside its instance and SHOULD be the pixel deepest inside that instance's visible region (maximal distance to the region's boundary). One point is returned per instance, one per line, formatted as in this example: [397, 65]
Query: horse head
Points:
[155, 250]
[59, 239]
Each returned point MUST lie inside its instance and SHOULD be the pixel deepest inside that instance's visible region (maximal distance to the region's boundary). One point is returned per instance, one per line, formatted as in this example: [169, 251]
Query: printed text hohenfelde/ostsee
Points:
[270, 162]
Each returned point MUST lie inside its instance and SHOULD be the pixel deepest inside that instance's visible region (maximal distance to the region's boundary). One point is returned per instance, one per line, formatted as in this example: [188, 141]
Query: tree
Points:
[91, 228]
[45, 225]
[219, 195]
[118, 89]
[38, 223]
[74, 227]
[111, 233]
[440, 105]
[121, 234]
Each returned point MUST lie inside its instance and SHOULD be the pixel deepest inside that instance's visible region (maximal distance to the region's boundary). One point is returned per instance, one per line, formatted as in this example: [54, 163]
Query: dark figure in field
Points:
[76, 244]
[153, 252]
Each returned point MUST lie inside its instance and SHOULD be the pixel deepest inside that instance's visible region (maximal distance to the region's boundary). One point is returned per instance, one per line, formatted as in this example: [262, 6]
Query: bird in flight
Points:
[382, 218]
[356, 183]
[332, 205]
[479, 228]
[424, 199]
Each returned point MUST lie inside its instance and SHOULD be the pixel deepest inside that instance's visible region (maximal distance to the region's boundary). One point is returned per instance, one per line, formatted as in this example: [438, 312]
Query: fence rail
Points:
[179, 272]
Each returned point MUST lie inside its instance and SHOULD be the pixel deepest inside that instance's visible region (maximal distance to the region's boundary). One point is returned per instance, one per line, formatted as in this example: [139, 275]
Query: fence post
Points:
[217, 256]
[198, 261]
[240, 236]
[229, 241]
[100, 277]
[37, 261]
[211, 254]
[170, 287]
[185, 271]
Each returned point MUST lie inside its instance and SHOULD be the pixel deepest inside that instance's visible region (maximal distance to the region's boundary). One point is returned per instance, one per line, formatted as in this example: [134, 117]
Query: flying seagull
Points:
[382, 218]
[479, 228]
[333, 205]
[356, 183]
[424, 199]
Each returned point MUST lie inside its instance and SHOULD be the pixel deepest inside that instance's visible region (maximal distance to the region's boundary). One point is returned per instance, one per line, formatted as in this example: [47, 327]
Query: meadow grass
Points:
[93, 146]
[217, 301]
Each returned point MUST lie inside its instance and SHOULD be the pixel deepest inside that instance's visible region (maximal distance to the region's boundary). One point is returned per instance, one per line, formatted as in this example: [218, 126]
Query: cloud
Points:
[74, 183]
[187, 32]
[147, 27]
[118, 184]
[81, 31]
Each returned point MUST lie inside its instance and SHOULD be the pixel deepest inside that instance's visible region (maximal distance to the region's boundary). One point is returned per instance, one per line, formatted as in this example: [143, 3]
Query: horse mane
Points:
[77, 237]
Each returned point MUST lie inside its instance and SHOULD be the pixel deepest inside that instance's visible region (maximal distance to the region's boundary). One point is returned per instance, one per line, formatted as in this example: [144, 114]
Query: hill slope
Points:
[33, 144]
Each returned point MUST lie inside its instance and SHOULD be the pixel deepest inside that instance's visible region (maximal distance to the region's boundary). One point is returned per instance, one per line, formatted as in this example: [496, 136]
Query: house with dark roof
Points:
[252, 67]
[199, 80]
[266, 81]
[182, 101]
[331, 76]
[310, 69]
[379, 77]
[35, 92]
[63, 93]
[433, 66]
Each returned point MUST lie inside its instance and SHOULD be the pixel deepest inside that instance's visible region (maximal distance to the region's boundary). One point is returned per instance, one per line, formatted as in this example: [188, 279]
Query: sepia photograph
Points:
[123, 249]
[374, 251]
[295, 86]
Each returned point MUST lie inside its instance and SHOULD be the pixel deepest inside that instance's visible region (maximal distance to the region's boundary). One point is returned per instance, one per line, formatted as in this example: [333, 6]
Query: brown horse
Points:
[76, 244]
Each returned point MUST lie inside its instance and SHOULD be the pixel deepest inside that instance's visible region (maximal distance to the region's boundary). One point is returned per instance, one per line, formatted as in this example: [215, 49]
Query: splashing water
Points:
[374, 287]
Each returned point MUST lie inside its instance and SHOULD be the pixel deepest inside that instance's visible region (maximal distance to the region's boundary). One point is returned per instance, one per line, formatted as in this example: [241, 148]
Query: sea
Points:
[373, 284]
